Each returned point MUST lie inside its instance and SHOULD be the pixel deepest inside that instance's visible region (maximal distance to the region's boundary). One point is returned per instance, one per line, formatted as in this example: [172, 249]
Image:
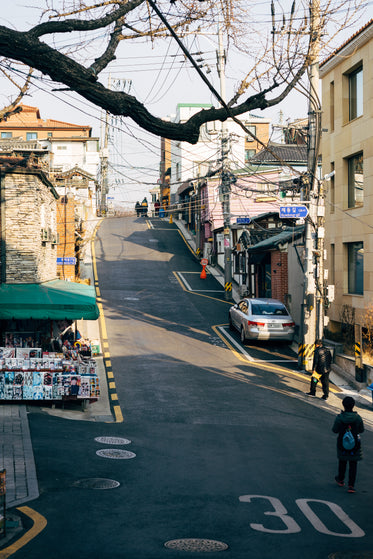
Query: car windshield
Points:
[268, 309]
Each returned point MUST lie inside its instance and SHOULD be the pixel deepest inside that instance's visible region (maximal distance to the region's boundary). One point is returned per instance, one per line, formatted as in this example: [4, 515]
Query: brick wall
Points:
[66, 232]
[29, 206]
[279, 275]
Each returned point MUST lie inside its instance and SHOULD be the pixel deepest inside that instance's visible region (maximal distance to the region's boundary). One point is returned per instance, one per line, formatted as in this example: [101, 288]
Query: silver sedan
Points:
[261, 319]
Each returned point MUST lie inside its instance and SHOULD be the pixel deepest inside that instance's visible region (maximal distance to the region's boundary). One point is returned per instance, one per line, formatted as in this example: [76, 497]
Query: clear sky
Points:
[159, 76]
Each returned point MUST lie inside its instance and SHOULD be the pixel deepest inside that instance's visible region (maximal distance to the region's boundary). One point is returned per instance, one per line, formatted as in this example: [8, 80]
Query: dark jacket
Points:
[322, 360]
[343, 420]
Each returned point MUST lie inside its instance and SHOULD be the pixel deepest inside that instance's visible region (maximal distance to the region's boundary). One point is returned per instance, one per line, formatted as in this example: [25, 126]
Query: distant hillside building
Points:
[69, 144]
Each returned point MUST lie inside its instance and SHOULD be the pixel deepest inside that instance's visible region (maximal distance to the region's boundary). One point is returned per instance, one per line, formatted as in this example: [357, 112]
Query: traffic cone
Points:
[203, 273]
[170, 218]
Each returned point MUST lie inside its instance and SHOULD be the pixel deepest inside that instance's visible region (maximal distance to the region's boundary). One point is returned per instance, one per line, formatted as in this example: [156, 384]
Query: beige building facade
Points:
[347, 150]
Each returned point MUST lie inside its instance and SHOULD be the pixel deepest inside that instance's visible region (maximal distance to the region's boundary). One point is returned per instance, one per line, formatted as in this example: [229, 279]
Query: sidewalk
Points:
[16, 454]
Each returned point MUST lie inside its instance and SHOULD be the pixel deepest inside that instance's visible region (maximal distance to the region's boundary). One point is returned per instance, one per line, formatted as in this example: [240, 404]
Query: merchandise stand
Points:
[30, 374]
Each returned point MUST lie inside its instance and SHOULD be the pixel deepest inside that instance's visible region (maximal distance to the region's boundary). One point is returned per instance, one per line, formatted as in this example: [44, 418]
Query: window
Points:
[332, 189]
[62, 147]
[249, 153]
[332, 263]
[251, 128]
[6, 134]
[331, 106]
[355, 181]
[31, 136]
[50, 134]
[355, 263]
[355, 93]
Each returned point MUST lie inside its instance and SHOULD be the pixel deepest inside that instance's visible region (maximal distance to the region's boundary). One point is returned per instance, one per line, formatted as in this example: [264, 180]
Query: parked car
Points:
[261, 319]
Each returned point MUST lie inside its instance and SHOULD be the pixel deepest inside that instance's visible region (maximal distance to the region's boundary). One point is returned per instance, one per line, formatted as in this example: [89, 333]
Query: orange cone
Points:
[203, 273]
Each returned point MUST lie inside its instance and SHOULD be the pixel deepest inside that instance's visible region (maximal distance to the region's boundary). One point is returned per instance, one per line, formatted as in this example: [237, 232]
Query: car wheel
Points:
[243, 335]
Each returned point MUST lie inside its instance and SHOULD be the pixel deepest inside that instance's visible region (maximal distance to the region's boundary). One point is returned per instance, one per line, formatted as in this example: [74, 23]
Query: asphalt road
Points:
[227, 450]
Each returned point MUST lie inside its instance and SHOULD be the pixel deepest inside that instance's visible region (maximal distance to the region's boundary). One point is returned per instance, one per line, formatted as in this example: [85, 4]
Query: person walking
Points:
[144, 207]
[321, 366]
[348, 421]
[138, 208]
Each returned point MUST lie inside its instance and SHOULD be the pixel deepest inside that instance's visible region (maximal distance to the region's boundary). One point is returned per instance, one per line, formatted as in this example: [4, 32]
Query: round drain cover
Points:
[112, 440]
[115, 453]
[196, 544]
[96, 483]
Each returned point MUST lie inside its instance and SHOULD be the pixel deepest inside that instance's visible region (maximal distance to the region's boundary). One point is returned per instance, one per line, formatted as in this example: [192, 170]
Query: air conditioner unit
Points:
[54, 239]
[44, 234]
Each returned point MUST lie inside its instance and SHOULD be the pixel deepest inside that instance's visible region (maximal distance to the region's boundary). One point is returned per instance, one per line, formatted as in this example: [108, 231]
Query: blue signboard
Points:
[243, 220]
[293, 211]
[67, 260]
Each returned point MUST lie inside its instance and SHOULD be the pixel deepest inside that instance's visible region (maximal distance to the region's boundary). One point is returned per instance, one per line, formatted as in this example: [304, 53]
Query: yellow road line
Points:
[265, 366]
[185, 241]
[39, 524]
[118, 414]
[104, 337]
[199, 294]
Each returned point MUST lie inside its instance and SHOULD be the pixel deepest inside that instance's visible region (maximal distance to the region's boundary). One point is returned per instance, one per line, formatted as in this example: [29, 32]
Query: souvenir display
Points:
[30, 374]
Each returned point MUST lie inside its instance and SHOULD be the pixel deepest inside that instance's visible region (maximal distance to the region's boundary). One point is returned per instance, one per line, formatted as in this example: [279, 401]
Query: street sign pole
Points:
[311, 234]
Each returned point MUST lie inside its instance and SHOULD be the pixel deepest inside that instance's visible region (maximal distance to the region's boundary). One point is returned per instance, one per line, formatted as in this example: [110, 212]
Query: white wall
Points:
[190, 161]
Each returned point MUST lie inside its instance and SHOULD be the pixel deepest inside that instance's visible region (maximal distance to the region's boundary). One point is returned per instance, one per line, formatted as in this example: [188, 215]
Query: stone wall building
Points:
[28, 226]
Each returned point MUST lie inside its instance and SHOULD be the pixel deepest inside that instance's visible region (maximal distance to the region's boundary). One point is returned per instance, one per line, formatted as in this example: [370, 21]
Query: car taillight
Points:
[288, 324]
[252, 323]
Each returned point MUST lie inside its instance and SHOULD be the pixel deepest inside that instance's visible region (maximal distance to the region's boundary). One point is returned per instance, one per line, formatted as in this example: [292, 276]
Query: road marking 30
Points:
[292, 527]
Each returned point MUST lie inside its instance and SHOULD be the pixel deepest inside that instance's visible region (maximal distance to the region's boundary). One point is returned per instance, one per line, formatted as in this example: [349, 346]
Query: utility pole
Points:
[104, 156]
[225, 187]
[313, 304]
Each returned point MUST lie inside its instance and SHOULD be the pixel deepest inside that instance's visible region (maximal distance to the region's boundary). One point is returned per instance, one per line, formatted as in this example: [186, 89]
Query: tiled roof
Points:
[289, 153]
[349, 40]
[273, 241]
[29, 117]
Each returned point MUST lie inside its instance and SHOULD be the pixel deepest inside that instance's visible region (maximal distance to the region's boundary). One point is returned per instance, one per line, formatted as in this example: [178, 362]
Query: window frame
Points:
[353, 200]
[355, 268]
[355, 93]
[247, 156]
[251, 128]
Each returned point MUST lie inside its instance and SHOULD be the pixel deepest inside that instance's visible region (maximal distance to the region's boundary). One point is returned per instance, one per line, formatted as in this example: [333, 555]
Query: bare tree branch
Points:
[12, 108]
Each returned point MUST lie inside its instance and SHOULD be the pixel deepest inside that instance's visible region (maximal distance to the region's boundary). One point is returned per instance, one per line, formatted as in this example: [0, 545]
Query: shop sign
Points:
[70, 260]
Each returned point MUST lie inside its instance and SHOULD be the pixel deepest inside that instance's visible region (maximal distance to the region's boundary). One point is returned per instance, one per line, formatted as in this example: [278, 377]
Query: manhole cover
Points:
[115, 453]
[96, 483]
[112, 440]
[196, 544]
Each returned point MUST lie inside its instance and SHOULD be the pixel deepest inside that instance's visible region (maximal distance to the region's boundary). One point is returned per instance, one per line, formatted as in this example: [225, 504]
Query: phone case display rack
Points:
[50, 377]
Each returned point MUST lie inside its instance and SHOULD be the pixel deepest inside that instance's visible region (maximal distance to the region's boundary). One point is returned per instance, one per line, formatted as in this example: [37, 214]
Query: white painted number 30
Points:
[291, 526]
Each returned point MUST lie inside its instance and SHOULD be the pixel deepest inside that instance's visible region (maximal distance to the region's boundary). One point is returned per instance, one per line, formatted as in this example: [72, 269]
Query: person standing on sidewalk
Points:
[322, 361]
[348, 420]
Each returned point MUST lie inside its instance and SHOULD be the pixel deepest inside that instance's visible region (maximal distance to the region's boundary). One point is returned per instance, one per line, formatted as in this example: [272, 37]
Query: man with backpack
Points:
[322, 360]
[348, 424]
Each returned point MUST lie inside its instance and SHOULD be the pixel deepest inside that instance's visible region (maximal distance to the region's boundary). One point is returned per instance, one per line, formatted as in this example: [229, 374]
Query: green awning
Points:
[55, 300]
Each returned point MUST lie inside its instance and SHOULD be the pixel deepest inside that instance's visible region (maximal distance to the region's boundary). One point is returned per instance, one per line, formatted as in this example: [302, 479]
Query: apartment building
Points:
[347, 150]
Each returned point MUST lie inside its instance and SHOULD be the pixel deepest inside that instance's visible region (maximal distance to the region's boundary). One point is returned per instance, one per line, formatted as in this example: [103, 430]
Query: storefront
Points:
[42, 356]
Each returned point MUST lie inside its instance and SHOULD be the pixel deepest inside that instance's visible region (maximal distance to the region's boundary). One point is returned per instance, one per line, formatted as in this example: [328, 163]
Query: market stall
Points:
[42, 355]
